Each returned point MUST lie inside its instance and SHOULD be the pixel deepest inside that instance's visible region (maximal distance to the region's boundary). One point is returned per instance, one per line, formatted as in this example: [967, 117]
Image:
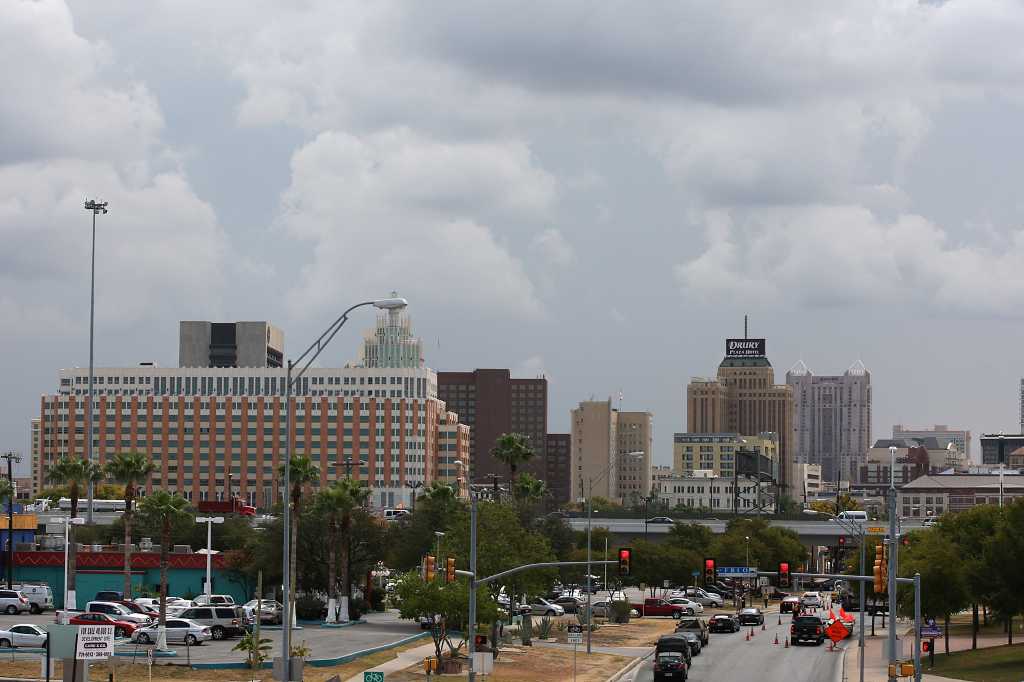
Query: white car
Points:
[13, 602]
[22, 635]
[542, 607]
[178, 630]
[692, 607]
[811, 600]
[270, 611]
[214, 600]
[154, 602]
[704, 597]
[118, 611]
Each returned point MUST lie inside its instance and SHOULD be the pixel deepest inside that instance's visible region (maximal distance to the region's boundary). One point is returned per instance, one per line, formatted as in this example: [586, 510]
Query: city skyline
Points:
[553, 196]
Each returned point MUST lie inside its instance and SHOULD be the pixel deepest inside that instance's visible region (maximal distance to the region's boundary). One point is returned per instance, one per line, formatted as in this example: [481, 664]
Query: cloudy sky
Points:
[594, 191]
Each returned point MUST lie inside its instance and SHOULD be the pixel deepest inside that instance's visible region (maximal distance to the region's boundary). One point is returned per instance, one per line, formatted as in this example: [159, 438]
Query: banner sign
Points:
[744, 348]
[94, 642]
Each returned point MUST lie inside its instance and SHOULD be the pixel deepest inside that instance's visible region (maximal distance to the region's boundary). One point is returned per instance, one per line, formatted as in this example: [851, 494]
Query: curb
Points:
[635, 663]
[346, 624]
[317, 662]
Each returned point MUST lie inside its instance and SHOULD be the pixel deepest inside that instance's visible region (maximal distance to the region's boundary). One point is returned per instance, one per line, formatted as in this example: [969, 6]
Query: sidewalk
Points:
[876, 664]
[402, 661]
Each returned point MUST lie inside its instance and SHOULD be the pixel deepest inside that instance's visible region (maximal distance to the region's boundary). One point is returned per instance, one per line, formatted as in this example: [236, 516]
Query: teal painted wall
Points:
[182, 582]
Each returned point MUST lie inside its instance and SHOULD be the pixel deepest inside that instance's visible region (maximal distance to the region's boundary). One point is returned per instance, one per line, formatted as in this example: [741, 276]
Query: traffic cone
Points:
[751, 631]
[746, 637]
[776, 642]
[780, 618]
[763, 628]
[787, 642]
[831, 645]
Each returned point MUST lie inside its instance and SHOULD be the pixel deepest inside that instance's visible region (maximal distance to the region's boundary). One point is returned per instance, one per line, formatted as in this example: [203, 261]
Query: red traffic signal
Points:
[784, 579]
[710, 572]
[926, 646]
[842, 540]
[625, 557]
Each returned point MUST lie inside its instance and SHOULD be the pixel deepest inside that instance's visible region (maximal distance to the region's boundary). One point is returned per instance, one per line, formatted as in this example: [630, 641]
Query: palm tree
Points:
[527, 491]
[512, 449]
[163, 509]
[439, 492]
[301, 471]
[6, 492]
[74, 473]
[336, 503]
[130, 469]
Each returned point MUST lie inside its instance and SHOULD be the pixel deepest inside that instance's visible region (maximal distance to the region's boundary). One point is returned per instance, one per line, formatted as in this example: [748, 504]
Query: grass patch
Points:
[991, 664]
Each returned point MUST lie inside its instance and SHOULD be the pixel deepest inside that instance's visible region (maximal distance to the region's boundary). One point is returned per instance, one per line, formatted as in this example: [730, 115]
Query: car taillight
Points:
[817, 631]
[23, 600]
[234, 621]
[792, 629]
[205, 631]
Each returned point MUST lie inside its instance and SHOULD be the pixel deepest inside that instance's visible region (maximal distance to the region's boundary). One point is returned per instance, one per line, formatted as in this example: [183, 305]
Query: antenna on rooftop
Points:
[745, 327]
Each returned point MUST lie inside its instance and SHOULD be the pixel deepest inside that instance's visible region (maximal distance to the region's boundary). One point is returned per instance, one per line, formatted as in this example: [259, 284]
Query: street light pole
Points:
[307, 358]
[68, 522]
[96, 207]
[209, 521]
[893, 548]
[11, 457]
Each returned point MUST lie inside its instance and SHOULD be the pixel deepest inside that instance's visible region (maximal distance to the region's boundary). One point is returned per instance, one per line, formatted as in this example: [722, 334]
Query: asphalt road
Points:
[380, 628]
[731, 657]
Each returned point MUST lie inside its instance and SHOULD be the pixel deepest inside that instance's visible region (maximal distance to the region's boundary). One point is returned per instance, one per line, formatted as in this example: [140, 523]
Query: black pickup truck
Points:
[807, 628]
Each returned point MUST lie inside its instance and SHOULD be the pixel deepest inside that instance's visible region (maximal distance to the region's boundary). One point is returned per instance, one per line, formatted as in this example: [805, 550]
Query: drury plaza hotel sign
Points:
[744, 348]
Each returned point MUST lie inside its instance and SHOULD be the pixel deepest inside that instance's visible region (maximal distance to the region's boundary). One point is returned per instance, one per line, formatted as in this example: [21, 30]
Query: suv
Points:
[810, 628]
[108, 595]
[696, 626]
[13, 602]
[214, 599]
[223, 621]
[40, 597]
[118, 611]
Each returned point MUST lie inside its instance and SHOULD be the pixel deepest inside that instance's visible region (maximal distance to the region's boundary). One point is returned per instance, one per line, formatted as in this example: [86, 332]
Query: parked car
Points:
[601, 609]
[396, 514]
[696, 626]
[140, 608]
[570, 604]
[751, 616]
[122, 628]
[723, 589]
[178, 630]
[118, 611]
[108, 595]
[540, 606]
[214, 599]
[660, 519]
[789, 605]
[270, 611]
[704, 597]
[13, 602]
[695, 643]
[154, 602]
[807, 628]
[22, 635]
[223, 621]
[670, 665]
[724, 622]
[40, 596]
[691, 607]
[659, 607]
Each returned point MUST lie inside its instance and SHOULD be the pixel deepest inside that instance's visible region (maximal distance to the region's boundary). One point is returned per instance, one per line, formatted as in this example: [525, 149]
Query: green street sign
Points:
[373, 677]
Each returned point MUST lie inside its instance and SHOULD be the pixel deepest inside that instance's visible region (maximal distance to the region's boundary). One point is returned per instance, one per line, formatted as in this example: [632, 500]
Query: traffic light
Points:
[710, 573]
[429, 568]
[842, 541]
[625, 556]
[879, 584]
[449, 570]
[784, 579]
[926, 646]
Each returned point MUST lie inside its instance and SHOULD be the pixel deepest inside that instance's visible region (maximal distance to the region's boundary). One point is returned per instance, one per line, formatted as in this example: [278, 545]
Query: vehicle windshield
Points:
[807, 620]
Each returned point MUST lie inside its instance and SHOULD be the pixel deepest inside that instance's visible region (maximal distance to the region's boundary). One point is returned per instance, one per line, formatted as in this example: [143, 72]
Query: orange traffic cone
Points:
[746, 637]
[776, 642]
[763, 628]
[831, 645]
[787, 642]
[780, 618]
[751, 631]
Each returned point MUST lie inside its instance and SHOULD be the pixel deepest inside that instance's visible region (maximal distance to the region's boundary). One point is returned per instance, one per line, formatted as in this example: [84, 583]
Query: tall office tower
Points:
[218, 432]
[594, 450]
[832, 419]
[492, 403]
[743, 399]
[558, 452]
[635, 443]
[230, 344]
[943, 435]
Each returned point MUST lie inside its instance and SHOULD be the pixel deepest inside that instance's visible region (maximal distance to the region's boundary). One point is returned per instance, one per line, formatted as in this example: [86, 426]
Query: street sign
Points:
[876, 530]
[95, 642]
[930, 630]
[664, 584]
[695, 573]
[373, 677]
[575, 633]
[738, 571]
[837, 631]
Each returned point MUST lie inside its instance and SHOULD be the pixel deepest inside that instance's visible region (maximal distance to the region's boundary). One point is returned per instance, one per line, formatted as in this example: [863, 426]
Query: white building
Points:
[704, 490]
[943, 435]
[832, 419]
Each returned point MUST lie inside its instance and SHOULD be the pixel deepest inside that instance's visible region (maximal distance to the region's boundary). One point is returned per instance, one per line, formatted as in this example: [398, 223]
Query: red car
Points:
[122, 628]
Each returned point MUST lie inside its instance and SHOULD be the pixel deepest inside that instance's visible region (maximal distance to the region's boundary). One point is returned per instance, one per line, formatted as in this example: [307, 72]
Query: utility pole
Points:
[893, 549]
[471, 640]
[11, 457]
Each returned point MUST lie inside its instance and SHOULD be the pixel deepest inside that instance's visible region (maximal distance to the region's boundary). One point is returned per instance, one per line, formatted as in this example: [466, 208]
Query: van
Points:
[40, 596]
[395, 514]
[854, 515]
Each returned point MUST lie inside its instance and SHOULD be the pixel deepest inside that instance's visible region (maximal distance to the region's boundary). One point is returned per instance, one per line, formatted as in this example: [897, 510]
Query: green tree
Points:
[301, 471]
[655, 562]
[164, 509]
[439, 491]
[512, 449]
[6, 493]
[76, 474]
[969, 531]
[1000, 551]
[695, 536]
[943, 578]
[336, 504]
[446, 604]
[129, 469]
[528, 492]
[411, 538]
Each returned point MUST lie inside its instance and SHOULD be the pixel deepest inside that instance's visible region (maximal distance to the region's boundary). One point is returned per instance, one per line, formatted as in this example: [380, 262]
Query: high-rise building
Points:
[558, 452]
[831, 419]
[611, 448]
[716, 452]
[635, 443]
[944, 436]
[492, 403]
[743, 398]
[996, 448]
[1022, 405]
[34, 444]
[229, 344]
[215, 432]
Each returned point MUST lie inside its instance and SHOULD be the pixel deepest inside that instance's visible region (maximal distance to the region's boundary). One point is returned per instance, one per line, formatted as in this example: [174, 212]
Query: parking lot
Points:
[380, 628]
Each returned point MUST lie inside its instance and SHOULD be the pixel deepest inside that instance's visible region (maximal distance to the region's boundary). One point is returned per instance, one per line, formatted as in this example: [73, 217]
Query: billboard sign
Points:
[744, 348]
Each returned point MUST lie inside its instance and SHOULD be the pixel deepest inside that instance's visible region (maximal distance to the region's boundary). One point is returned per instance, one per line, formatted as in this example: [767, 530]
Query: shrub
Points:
[620, 611]
[544, 628]
[308, 607]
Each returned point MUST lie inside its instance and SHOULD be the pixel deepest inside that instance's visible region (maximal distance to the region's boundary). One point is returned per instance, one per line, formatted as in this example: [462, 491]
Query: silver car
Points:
[270, 611]
[542, 607]
[22, 634]
[13, 602]
[179, 630]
